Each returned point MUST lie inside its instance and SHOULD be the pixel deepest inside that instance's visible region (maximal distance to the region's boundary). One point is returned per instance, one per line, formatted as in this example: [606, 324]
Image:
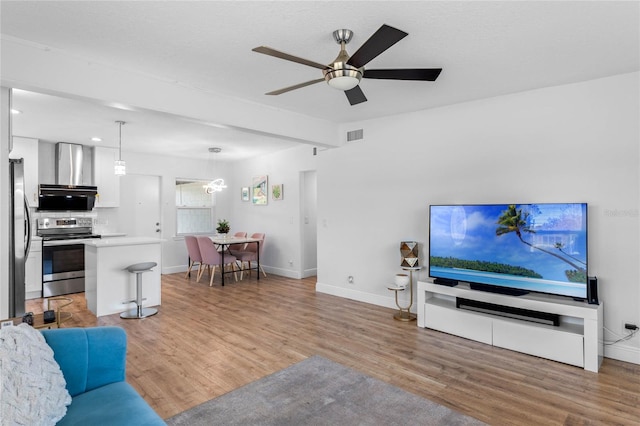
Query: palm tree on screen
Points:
[560, 247]
[516, 221]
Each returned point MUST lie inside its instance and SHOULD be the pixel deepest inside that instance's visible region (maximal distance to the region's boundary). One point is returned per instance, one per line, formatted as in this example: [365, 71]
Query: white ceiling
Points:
[486, 49]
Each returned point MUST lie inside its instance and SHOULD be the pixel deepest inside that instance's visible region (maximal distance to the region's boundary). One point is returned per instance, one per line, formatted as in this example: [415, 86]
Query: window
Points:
[195, 209]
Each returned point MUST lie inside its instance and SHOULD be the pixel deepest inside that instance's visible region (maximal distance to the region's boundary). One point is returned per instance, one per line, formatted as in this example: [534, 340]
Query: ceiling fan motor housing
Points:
[343, 35]
[341, 75]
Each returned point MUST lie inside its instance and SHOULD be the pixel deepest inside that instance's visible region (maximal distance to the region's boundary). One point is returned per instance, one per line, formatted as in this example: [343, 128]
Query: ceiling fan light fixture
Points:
[343, 79]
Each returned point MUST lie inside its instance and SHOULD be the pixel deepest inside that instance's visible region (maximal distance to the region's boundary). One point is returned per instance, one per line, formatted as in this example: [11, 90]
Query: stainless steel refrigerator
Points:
[19, 238]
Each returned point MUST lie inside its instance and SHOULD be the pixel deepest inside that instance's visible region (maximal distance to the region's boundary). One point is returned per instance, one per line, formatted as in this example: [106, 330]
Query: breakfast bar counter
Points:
[107, 282]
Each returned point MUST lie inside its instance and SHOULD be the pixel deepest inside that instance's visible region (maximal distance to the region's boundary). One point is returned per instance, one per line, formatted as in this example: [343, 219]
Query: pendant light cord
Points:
[120, 142]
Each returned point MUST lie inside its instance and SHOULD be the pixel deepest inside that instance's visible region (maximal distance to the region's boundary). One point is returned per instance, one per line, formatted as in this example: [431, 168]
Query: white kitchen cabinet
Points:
[33, 270]
[104, 177]
[27, 149]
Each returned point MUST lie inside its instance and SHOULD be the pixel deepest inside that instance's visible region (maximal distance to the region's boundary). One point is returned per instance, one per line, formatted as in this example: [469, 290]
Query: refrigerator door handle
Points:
[27, 230]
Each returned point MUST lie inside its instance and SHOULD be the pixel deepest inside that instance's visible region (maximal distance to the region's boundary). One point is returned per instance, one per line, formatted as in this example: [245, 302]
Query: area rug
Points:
[317, 391]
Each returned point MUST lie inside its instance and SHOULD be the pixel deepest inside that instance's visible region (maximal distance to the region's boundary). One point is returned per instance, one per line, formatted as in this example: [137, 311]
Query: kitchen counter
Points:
[112, 234]
[108, 285]
[122, 241]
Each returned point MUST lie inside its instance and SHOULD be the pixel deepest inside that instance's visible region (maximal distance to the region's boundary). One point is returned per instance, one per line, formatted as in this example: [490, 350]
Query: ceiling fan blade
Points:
[272, 52]
[355, 95]
[380, 41]
[422, 74]
[297, 86]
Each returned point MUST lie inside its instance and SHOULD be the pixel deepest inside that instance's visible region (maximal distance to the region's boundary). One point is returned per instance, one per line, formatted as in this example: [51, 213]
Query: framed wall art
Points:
[259, 188]
[277, 192]
[245, 193]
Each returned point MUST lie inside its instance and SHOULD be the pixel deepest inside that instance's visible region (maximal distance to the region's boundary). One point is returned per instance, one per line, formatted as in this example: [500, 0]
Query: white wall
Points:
[279, 220]
[578, 142]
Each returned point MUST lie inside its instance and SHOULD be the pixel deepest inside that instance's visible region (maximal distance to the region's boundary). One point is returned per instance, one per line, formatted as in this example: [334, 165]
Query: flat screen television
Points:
[511, 248]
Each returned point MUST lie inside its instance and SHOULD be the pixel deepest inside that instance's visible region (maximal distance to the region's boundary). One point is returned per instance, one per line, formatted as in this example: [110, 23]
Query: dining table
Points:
[223, 242]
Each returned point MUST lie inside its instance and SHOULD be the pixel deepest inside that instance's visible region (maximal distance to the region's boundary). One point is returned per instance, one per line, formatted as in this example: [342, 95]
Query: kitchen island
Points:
[108, 284]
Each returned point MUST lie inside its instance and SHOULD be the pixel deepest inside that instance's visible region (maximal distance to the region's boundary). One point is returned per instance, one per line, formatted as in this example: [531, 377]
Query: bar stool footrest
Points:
[138, 313]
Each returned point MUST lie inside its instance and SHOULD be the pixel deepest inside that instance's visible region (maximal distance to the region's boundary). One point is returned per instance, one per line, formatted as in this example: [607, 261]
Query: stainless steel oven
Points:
[62, 269]
[63, 254]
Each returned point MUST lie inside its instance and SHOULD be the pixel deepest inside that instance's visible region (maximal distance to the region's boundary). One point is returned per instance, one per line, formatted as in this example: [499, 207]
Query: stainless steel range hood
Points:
[67, 197]
[69, 163]
[69, 193]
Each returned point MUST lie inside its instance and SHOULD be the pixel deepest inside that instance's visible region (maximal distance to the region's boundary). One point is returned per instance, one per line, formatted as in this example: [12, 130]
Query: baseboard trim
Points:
[309, 273]
[282, 272]
[361, 296]
[174, 269]
[624, 353]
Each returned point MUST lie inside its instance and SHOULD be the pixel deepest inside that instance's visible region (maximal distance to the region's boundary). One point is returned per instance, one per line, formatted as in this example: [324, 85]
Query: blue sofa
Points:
[93, 362]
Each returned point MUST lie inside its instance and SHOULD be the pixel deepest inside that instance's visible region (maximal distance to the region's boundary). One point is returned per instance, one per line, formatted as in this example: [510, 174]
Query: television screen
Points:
[521, 247]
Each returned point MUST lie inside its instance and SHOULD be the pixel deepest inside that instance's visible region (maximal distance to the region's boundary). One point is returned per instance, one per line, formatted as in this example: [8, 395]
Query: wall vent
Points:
[355, 135]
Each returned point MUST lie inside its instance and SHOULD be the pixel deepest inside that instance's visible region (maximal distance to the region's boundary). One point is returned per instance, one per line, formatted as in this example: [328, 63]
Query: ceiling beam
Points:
[34, 67]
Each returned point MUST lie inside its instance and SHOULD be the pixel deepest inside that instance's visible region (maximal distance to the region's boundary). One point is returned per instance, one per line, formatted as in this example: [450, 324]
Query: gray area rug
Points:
[317, 391]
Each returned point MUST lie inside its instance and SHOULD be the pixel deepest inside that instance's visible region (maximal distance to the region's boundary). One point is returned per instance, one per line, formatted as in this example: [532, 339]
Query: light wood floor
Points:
[207, 341]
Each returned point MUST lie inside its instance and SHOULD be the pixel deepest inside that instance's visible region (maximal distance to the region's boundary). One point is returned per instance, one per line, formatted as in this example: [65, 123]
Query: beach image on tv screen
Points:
[534, 247]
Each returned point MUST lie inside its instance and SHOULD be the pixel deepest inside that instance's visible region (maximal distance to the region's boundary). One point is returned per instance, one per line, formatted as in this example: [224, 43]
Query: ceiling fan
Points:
[345, 72]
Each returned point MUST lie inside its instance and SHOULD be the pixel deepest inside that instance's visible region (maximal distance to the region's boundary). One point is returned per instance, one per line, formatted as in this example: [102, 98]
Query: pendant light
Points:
[119, 167]
[215, 185]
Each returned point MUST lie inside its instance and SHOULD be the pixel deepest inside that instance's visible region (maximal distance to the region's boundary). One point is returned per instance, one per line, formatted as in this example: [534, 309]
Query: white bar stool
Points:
[139, 311]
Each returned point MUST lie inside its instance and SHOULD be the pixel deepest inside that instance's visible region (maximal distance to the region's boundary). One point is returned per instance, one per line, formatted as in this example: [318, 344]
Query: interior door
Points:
[140, 206]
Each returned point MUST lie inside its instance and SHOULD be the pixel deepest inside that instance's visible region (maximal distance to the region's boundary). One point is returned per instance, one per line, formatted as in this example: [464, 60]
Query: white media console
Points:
[576, 340]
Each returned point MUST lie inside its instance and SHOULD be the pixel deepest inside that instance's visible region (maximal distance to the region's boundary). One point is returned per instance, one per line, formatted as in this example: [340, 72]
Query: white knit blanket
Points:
[32, 388]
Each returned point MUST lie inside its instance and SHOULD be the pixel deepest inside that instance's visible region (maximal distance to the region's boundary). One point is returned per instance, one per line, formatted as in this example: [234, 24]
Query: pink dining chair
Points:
[194, 254]
[240, 246]
[212, 258]
[249, 254]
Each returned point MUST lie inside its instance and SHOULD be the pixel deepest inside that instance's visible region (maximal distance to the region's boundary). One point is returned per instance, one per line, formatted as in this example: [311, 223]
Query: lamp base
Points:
[404, 316]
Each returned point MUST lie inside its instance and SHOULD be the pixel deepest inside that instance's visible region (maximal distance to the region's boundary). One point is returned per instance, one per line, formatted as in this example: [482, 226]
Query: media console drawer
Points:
[460, 323]
[550, 343]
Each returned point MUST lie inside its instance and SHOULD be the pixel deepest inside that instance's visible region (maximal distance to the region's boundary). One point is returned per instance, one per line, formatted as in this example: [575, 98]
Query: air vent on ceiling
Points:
[355, 135]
